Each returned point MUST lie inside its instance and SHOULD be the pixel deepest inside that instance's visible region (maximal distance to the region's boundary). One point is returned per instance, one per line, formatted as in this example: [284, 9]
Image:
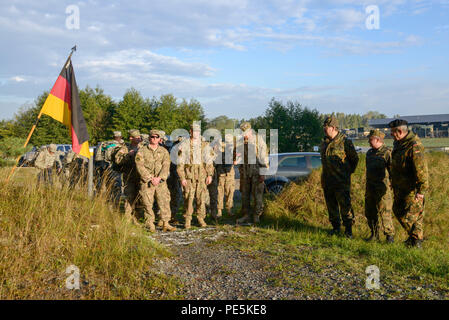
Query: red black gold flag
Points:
[63, 105]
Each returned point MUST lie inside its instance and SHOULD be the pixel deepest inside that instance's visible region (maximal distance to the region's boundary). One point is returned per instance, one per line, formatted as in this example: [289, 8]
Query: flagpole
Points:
[34, 126]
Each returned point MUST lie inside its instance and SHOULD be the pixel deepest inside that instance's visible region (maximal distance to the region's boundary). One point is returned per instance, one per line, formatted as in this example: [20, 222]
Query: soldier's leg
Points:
[173, 187]
[162, 195]
[229, 193]
[221, 192]
[200, 197]
[258, 188]
[189, 196]
[385, 217]
[332, 207]
[213, 196]
[343, 195]
[371, 205]
[246, 194]
[413, 217]
[147, 196]
[131, 193]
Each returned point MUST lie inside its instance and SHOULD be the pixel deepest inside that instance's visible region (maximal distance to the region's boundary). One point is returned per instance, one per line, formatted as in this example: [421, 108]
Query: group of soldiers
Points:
[396, 180]
[150, 177]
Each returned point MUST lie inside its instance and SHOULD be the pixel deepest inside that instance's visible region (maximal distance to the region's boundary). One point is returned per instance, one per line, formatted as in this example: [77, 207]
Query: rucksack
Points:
[105, 151]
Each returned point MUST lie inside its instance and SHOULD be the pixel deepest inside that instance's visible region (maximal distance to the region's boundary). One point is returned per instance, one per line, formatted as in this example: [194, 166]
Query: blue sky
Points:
[235, 55]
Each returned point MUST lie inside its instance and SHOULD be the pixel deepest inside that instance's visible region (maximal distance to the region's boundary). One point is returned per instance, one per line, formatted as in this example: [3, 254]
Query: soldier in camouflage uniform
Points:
[409, 179]
[75, 168]
[175, 188]
[378, 200]
[339, 160]
[195, 170]
[226, 184]
[125, 158]
[213, 187]
[153, 166]
[251, 180]
[45, 162]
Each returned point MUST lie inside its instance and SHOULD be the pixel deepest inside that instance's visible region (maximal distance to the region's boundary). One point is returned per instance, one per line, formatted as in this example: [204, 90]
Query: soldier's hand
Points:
[155, 181]
[419, 197]
[208, 180]
[184, 183]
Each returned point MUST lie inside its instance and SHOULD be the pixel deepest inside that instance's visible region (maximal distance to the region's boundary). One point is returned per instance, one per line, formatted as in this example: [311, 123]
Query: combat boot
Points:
[150, 226]
[409, 242]
[348, 231]
[202, 223]
[244, 219]
[335, 229]
[187, 224]
[167, 227]
[160, 223]
[417, 243]
[230, 213]
[390, 239]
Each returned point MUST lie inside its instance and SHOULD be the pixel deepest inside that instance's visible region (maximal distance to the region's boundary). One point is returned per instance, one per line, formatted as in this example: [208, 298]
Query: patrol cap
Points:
[376, 133]
[134, 133]
[155, 132]
[330, 121]
[397, 123]
[245, 126]
[117, 133]
[162, 135]
[52, 147]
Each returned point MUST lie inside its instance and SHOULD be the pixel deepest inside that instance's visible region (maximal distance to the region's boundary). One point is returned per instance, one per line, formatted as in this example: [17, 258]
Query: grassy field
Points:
[297, 218]
[427, 142]
[45, 230]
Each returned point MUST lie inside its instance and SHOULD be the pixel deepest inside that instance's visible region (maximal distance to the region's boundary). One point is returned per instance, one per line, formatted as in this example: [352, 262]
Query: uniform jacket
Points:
[195, 165]
[152, 163]
[378, 167]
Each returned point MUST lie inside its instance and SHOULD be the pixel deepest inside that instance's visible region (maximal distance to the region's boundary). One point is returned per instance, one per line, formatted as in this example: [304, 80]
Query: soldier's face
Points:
[397, 133]
[375, 142]
[154, 140]
[329, 131]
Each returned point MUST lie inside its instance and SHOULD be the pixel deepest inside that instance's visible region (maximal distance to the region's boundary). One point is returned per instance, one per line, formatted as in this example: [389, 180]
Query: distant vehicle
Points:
[291, 166]
[27, 158]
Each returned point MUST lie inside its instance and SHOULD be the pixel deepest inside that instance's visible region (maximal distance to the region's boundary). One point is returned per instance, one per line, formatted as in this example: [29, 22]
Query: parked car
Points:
[291, 166]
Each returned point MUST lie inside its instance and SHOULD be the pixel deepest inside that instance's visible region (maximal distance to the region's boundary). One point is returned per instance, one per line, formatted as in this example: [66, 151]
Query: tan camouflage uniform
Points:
[154, 164]
[378, 199]
[195, 173]
[339, 160]
[45, 162]
[409, 176]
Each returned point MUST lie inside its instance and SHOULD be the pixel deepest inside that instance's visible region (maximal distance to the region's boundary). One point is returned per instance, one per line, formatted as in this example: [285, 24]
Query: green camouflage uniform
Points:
[250, 185]
[131, 178]
[195, 173]
[378, 200]
[409, 176]
[154, 164]
[339, 160]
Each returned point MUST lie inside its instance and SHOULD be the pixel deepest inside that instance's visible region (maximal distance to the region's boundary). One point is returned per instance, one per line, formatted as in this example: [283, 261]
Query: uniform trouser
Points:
[338, 202]
[195, 190]
[226, 188]
[213, 195]
[252, 189]
[175, 195]
[410, 213]
[131, 192]
[45, 176]
[162, 196]
[378, 203]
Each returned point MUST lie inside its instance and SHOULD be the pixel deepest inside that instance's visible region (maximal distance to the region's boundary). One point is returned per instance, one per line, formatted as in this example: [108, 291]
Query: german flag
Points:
[63, 105]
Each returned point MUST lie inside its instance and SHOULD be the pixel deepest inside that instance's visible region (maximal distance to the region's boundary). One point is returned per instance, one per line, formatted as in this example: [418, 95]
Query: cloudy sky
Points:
[234, 55]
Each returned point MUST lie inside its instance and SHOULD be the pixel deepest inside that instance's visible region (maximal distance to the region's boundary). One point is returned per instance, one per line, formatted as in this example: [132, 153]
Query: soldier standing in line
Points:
[212, 188]
[409, 179]
[226, 183]
[174, 186]
[339, 160]
[74, 168]
[378, 200]
[252, 183]
[125, 159]
[45, 162]
[195, 170]
[153, 166]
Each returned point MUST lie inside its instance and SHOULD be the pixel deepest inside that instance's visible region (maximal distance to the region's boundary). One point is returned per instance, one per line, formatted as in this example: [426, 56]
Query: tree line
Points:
[299, 128]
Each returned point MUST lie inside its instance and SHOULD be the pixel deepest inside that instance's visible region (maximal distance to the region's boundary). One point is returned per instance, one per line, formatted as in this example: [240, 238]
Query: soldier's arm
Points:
[351, 154]
[180, 166]
[262, 154]
[209, 156]
[145, 175]
[388, 163]
[165, 171]
[420, 166]
[122, 157]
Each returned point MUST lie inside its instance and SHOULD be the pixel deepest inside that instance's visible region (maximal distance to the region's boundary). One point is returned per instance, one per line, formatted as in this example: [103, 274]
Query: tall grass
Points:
[46, 229]
[300, 210]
